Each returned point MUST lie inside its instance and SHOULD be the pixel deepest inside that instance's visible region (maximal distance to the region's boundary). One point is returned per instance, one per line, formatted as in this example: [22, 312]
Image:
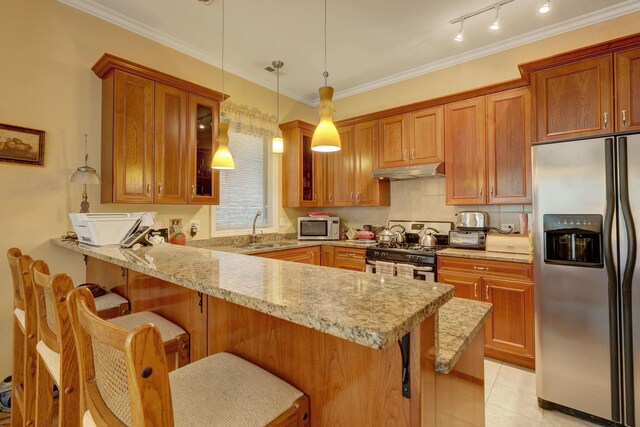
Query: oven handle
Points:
[399, 263]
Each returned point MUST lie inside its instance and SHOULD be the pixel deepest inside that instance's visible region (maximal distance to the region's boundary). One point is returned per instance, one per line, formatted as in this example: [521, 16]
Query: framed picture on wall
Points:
[21, 145]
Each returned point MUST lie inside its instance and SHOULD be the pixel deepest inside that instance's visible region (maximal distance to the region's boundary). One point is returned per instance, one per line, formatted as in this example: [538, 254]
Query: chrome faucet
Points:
[254, 236]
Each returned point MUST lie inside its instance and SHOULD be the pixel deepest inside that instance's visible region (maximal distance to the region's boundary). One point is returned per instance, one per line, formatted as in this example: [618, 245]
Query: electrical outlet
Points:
[194, 223]
[284, 221]
[507, 227]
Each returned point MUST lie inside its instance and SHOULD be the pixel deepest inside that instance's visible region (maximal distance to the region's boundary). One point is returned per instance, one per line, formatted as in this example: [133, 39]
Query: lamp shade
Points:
[325, 137]
[277, 144]
[85, 175]
[222, 158]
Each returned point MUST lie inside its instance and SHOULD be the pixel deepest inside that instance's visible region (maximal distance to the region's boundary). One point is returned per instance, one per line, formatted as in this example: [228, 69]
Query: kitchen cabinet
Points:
[345, 177]
[328, 256]
[574, 100]
[465, 145]
[350, 258]
[300, 166]
[412, 138]
[509, 331]
[627, 85]
[150, 136]
[509, 147]
[306, 255]
[204, 182]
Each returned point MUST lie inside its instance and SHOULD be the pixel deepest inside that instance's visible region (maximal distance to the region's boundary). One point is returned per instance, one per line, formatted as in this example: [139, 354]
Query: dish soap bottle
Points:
[176, 236]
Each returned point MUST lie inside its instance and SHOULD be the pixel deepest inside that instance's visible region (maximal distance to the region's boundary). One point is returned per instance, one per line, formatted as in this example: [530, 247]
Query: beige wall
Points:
[46, 83]
[485, 71]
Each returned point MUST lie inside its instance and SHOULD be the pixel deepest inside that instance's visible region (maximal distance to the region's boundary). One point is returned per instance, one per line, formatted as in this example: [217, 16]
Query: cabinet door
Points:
[309, 175]
[510, 326]
[343, 171]
[324, 174]
[204, 182]
[132, 139]
[628, 89]
[509, 147]
[328, 256]
[367, 189]
[350, 259]
[468, 286]
[394, 141]
[171, 145]
[464, 130]
[426, 141]
[574, 100]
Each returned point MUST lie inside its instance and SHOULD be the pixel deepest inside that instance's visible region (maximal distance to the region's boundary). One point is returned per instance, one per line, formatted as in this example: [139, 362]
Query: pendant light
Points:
[222, 158]
[277, 143]
[85, 175]
[325, 137]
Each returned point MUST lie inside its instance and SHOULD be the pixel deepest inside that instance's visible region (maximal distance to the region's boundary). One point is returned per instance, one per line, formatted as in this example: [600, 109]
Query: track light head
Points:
[545, 8]
[495, 26]
[460, 35]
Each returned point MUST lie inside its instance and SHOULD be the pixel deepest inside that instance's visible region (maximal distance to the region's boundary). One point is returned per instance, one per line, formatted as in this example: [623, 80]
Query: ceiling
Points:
[370, 43]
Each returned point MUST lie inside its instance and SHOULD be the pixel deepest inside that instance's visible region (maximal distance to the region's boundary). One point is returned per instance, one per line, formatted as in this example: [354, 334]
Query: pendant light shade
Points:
[277, 144]
[325, 137]
[222, 158]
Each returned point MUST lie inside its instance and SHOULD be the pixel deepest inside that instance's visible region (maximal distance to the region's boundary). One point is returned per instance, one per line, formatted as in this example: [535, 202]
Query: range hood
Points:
[432, 170]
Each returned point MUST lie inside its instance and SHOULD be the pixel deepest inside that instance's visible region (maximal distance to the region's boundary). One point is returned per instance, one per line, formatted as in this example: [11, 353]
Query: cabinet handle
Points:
[475, 290]
[413, 153]
[357, 198]
[193, 190]
[148, 189]
[486, 292]
[351, 196]
[491, 190]
[624, 118]
[314, 197]
[606, 121]
[331, 197]
[160, 189]
[404, 154]
[475, 267]
[481, 192]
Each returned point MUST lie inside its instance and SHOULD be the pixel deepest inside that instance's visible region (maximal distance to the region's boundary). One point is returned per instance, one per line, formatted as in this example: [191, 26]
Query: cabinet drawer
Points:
[485, 268]
[350, 254]
[310, 255]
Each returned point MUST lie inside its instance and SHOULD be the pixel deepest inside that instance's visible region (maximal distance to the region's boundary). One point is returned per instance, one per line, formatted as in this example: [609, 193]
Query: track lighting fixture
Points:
[495, 25]
[460, 35]
[545, 8]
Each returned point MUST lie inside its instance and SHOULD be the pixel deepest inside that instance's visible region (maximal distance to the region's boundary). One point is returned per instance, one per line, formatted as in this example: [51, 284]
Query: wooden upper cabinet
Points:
[464, 132]
[574, 100]
[342, 179]
[627, 64]
[509, 146]
[171, 144]
[127, 135]
[425, 137]
[300, 167]
[204, 182]
[394, 141]
[368, 190]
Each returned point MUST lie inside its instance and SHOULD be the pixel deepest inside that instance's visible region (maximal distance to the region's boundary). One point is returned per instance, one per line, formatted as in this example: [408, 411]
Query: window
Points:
[249, 187]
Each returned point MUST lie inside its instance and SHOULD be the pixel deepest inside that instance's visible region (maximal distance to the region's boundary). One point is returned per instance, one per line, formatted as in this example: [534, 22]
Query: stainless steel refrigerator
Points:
[587, 294]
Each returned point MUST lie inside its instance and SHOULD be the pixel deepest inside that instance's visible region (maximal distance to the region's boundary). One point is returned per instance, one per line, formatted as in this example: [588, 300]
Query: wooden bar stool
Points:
[57, 361]
[125, 381]
[23, 383]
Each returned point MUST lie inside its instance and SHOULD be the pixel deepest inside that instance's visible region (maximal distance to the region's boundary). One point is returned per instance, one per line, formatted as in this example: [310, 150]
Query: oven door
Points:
[423, 272]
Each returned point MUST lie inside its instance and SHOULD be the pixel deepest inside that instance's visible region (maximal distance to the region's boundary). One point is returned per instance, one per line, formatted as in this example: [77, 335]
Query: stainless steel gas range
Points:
[409, 259]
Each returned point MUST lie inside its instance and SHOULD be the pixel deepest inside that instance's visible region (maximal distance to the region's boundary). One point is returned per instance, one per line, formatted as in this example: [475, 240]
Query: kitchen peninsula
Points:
[332, 333]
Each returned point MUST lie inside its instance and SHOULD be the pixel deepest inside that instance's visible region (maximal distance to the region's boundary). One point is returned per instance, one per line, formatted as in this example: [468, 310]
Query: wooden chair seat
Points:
[168, 330]
[112, 305]
[51, 360]
[20, 315]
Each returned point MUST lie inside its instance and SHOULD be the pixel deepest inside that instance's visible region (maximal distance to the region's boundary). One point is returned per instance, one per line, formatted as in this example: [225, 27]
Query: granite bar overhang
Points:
[371, 310]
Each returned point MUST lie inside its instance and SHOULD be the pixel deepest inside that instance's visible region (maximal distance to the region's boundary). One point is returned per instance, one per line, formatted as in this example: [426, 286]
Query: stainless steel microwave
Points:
[318, 228]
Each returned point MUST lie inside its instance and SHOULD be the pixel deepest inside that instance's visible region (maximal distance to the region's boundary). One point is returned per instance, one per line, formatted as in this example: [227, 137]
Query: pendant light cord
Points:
[277, 101]
[325, 74]
[222, 61]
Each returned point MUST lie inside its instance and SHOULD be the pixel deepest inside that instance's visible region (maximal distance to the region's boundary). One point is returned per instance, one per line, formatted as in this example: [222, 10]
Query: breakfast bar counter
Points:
[363, 347]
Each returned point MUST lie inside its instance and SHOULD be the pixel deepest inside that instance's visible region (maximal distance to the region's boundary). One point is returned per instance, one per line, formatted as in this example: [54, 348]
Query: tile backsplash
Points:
[422, 199]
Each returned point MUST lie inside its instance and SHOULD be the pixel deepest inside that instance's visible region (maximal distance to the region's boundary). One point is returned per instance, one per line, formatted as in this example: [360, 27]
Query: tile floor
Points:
[510, 396]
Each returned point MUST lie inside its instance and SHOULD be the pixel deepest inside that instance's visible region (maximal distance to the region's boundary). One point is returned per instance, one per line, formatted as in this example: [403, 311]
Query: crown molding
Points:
[123, 21]
[95, 9]
[630, 6]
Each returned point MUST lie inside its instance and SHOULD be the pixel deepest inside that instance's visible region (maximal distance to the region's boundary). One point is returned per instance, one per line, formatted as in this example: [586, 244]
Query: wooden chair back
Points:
[13, 256]
[123, 373]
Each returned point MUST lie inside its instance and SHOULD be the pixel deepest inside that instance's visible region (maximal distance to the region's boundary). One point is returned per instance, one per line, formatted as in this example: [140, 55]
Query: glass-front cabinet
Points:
[308, 167]
[203, 128]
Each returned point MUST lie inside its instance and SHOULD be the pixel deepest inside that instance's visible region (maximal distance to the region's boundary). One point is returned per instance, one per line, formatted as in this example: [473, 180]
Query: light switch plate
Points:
[507, 227]
[284, 221]
[194, 223]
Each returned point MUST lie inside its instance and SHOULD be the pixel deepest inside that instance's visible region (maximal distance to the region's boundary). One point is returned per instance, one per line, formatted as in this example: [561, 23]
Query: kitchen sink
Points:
[268, 245]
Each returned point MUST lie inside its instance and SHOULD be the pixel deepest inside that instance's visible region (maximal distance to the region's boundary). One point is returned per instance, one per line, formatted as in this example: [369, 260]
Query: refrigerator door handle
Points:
[627, 280]
[612, 279]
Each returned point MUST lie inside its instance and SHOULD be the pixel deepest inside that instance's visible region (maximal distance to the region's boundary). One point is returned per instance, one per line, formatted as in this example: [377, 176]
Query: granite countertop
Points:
[459, 321]
[491, 256]
[371, 310]
[280, 245]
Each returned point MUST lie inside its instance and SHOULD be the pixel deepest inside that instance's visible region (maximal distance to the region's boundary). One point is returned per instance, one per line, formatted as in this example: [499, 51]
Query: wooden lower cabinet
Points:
[308, 255]
[509, 331]
[328, 256]
[350, 259]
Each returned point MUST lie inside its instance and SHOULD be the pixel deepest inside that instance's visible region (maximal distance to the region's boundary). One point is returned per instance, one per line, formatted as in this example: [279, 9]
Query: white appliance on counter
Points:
[103, 229]
[318, 228]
